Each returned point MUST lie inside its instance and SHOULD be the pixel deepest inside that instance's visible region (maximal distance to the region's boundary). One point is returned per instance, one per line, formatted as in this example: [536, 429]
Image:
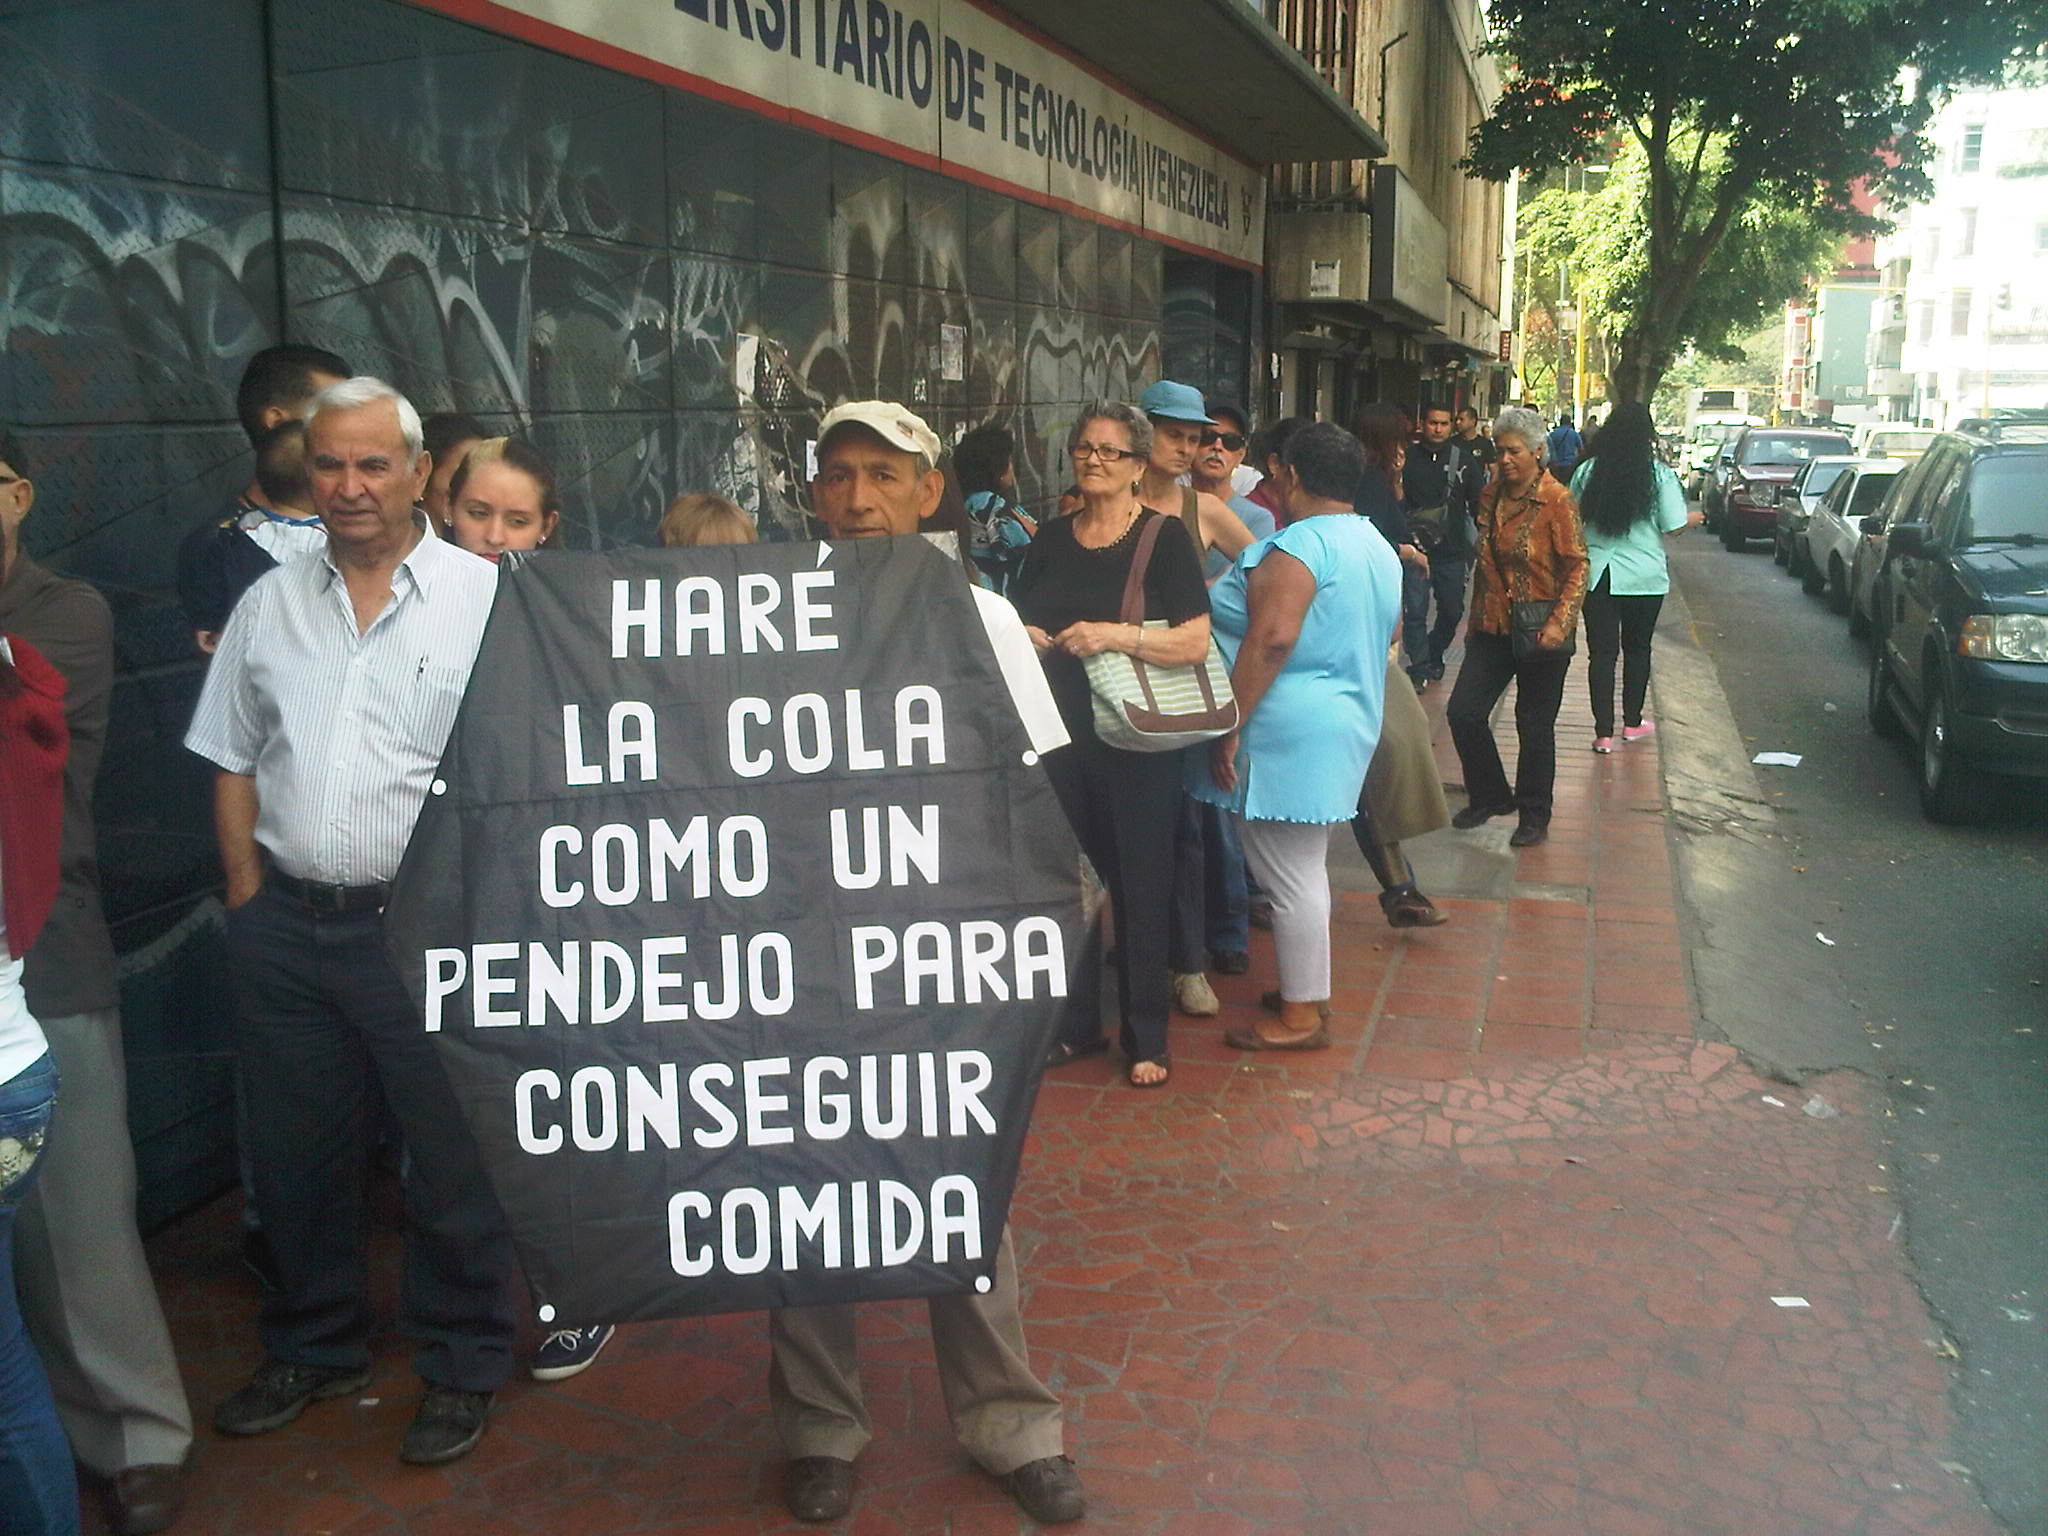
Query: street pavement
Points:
[1937, 967]
[1536, 1249]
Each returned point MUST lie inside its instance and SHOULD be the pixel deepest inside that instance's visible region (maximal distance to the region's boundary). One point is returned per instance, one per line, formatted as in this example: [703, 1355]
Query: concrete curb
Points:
[1764, 983]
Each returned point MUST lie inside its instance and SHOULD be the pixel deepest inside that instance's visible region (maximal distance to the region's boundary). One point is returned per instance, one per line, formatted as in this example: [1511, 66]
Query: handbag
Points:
[1525, 631]
[1141, 706]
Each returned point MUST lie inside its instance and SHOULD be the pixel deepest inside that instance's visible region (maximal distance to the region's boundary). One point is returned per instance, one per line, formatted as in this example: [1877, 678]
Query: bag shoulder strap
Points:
[1134, 584]
[1191, 516]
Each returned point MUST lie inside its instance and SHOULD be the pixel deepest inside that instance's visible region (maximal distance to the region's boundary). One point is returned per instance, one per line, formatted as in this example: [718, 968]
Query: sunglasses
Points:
[1233, 442]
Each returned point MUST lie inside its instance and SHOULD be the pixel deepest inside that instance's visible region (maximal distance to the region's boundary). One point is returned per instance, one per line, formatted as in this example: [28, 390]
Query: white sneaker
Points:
[1193, 995]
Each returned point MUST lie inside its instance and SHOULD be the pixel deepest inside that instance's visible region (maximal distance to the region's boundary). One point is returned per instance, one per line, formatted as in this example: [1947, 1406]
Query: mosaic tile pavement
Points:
[1505, 1260]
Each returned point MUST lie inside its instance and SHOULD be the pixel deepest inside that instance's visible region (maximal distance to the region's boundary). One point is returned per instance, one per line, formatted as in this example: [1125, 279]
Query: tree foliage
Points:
[1601, 235]
[1734, 106]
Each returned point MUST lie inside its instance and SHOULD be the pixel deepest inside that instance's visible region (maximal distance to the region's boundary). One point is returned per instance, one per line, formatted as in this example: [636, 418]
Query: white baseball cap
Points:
[896, 425]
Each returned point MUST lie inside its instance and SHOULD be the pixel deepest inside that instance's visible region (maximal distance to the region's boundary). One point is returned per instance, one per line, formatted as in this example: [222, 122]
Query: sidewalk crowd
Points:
[1453, 1218]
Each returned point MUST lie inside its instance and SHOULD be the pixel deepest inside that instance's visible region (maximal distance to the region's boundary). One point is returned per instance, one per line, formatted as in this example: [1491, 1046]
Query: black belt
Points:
[323, 897]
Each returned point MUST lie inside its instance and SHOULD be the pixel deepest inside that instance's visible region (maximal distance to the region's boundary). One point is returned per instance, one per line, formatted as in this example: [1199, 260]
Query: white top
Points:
[285, 538]
[21, 1038]
[1018, 658]
[343, 732]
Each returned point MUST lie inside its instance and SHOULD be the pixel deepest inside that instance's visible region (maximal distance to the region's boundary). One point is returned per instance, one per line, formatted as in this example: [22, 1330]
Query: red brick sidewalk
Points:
[1503, 1261]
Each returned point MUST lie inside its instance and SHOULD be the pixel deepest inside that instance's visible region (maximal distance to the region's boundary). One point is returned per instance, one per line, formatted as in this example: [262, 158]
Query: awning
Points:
[1219, 66]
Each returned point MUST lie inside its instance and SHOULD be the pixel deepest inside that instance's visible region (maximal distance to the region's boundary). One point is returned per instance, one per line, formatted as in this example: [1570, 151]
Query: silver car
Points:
[1835, 529]
[1797, 503]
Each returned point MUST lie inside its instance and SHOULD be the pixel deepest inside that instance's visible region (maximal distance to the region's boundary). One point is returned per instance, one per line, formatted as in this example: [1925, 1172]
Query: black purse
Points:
[1525, 631]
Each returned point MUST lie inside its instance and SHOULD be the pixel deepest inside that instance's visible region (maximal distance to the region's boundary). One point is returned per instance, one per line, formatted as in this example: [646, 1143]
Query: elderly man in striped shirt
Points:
[326, 711]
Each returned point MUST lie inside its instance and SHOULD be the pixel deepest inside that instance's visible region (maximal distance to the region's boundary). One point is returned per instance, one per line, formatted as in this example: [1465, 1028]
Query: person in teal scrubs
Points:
[1629, 501]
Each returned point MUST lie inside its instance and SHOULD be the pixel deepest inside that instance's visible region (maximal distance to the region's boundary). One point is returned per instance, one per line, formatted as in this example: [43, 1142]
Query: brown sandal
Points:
[1317, 1039]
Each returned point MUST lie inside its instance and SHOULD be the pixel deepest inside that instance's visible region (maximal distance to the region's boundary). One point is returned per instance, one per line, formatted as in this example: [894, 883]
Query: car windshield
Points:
[2009, 499]
[1716, 431]
[1780, 448]
[1820, 477]
[1899, 444]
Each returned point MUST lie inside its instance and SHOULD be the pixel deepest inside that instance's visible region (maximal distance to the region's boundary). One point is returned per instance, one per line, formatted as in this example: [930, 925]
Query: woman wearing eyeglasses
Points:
[1124, 805]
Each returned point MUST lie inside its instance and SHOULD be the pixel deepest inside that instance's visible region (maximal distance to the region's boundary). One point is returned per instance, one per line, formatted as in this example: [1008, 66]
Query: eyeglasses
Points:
[1083, 452]
[1233, 442]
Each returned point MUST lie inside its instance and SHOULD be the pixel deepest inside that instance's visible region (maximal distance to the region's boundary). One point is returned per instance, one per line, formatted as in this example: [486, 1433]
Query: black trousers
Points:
[1125, 808]
[1539, 689]
[1619, 625]
[322, 1023]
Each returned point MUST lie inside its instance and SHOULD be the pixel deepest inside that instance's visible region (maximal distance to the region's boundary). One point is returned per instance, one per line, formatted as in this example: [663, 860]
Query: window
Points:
[1970, 151]
[2007, 499]
[1959, 312]
[1923, 325]
[1966, 237]
[2040, 239]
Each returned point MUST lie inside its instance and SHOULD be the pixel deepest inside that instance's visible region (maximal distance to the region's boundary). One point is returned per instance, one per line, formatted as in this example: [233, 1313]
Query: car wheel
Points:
[1877, 704]
[1859, 621]
[1951, 792]
[1780, 555]
[1838, 585]
[1731, 538]
[1811, 579]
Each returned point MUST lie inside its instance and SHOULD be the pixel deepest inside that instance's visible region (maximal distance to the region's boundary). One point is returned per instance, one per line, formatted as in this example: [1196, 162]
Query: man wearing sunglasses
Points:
[1217, 470]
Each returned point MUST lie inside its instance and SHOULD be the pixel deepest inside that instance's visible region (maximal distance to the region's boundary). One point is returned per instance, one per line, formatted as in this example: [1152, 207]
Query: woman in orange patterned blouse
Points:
[1532, 552]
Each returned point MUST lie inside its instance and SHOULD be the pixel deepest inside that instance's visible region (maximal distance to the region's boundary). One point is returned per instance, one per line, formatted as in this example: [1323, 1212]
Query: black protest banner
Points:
[740, 916]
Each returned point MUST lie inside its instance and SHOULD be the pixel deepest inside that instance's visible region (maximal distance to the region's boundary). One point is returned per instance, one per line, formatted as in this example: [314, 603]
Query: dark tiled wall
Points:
[497, 229]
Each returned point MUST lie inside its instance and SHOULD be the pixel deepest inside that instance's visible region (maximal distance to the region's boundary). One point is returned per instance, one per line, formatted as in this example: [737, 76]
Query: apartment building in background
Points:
[1962, 329]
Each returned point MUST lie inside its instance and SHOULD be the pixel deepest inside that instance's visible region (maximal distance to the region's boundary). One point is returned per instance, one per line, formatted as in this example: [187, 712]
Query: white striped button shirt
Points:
[343, 731]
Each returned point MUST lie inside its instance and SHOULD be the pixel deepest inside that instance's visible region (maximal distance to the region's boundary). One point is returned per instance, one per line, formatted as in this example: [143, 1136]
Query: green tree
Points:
[1734, 105]
[1755, 361]
[1601, 235]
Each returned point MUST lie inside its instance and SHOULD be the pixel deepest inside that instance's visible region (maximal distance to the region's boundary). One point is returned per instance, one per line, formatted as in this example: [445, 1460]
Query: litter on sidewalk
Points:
[1779, 759]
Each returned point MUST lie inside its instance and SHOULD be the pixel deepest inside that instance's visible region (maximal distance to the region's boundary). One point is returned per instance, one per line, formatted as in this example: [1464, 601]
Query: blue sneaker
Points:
[568, 1350]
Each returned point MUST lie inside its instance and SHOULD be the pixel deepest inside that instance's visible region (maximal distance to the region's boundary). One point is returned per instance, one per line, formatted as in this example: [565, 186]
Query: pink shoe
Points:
[1603, 743]
[1641, 732]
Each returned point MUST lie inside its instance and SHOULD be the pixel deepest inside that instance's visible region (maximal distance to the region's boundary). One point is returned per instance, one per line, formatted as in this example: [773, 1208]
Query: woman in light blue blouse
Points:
[1628, 502]
[1305, 618]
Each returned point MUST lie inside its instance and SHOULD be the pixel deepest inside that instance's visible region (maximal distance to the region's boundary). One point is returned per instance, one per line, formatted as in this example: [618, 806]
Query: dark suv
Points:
[1766, 460]
[1959, 613]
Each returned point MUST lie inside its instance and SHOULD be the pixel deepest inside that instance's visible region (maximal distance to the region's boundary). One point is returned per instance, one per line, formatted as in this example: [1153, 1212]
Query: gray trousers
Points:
[1003, 1415]
[86, 1294]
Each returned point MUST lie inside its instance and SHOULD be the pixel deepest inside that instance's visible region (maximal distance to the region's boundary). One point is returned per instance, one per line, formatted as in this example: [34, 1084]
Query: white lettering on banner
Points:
[751, 1229]
[620, 852]
[706, 620]
[629, 735]
[945, 82]
[933, 1095]
[757, 974]
[929, 959]
[810, 742]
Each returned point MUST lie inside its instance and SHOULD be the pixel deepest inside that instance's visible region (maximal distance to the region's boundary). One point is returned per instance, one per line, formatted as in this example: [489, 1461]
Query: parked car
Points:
[1959, 645]
[1762, 463]
[1697, 460]
[1828, 546]
[1891, 440]
[1796, 504]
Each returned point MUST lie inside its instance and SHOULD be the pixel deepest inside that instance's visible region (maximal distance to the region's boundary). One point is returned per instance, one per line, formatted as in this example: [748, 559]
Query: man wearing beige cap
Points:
[878, 477]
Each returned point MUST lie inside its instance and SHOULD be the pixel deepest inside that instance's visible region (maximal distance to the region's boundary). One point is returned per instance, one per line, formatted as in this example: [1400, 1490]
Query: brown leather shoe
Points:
[143, 1500]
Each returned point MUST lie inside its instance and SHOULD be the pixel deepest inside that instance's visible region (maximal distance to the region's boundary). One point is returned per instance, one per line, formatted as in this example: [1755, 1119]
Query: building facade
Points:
[660, 236]
[1964, 329]
[1387, 277]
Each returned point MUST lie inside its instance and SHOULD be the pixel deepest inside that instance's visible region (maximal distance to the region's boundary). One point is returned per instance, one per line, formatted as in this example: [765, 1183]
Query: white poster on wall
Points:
[943, 83]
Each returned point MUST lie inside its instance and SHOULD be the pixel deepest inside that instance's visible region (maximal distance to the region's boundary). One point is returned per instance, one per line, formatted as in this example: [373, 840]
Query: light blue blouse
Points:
[1303, 753]
[1634, 563]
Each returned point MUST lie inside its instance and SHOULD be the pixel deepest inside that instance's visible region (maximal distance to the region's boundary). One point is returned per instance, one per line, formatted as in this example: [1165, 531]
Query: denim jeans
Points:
[1211, 906]
[1445, 581]
[38, 1485]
